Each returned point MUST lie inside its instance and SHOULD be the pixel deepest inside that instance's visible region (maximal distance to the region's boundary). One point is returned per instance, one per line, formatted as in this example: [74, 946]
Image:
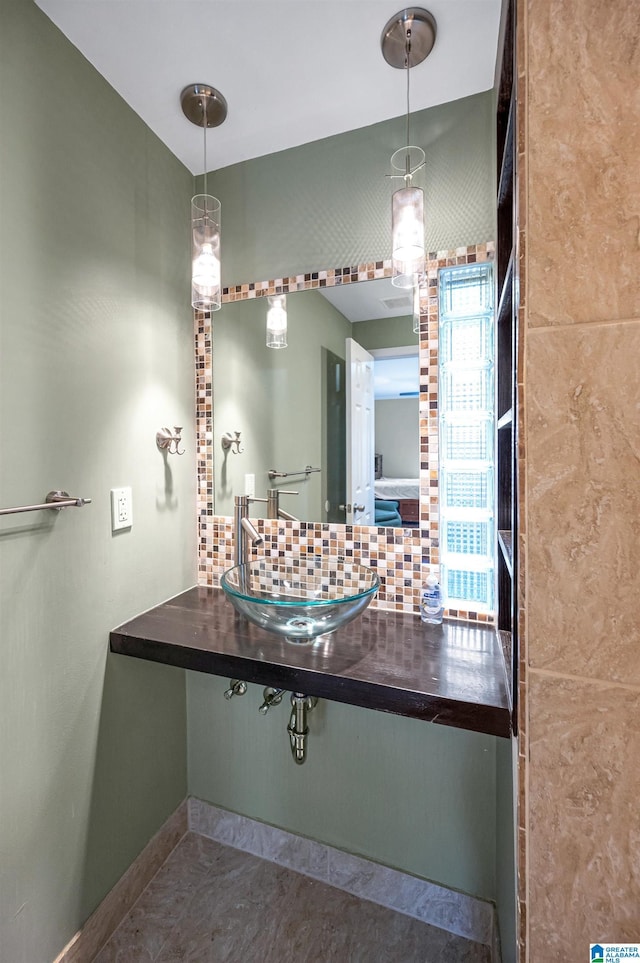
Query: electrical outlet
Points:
[121, 509]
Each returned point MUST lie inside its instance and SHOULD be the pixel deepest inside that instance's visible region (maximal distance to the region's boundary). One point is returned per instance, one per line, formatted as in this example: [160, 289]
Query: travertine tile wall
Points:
[398, 555]
[579, 108]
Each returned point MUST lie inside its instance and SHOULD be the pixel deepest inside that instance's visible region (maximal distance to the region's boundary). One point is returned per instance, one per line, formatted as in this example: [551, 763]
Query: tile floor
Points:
[212, 904]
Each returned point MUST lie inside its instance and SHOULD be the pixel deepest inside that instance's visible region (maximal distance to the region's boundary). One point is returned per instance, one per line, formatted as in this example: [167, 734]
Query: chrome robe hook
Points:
[231, 439]
[169, 441]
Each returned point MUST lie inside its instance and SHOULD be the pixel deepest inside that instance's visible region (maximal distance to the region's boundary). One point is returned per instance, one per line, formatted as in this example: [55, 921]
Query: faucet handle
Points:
[236, 687]
[281, 491]
[272, 697]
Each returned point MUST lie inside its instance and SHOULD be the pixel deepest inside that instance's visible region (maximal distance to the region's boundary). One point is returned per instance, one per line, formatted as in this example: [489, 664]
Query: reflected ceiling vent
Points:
[395, 304]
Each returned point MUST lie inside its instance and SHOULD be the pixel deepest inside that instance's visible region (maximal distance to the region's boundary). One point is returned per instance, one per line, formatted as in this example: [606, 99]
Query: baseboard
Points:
[429, 902]
[89, 940]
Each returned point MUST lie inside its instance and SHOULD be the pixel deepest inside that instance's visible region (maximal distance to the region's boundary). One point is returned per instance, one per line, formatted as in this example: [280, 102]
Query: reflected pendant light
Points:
[205, 106]
[277, 321]
[406, 41]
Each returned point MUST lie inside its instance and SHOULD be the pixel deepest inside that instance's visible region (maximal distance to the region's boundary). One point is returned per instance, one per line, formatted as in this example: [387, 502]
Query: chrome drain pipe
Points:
[301, 706]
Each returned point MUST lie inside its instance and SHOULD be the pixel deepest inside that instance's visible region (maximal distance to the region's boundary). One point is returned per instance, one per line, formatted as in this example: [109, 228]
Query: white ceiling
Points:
[292, 71]
[365, 301]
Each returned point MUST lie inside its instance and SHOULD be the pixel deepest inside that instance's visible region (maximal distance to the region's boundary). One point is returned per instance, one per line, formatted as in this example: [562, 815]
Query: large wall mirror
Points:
[297, 407]
[288, 403]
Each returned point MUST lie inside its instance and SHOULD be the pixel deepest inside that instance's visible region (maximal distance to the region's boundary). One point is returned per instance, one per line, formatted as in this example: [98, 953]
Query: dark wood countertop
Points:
[451, 674]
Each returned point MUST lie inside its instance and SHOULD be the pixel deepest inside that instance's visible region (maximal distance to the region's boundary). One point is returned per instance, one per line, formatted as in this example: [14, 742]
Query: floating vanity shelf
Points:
[451, 674]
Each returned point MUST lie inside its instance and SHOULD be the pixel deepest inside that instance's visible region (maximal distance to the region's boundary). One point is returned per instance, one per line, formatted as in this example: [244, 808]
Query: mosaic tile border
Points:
[399, 555]
[428, 902]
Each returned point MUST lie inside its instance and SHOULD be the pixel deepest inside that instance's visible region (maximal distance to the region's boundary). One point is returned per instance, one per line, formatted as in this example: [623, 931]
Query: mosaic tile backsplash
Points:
[401, 557]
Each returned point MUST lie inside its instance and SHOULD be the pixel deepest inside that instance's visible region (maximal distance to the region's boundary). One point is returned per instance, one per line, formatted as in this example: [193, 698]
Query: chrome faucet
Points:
[273, 505]
[245, 535]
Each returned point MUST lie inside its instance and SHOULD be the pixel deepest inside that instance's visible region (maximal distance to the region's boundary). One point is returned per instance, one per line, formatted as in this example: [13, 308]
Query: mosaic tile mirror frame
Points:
[398, 555]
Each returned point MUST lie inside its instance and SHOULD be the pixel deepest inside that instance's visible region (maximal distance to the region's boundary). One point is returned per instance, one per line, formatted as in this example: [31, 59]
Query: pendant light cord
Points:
[204, 127]
[407, 49]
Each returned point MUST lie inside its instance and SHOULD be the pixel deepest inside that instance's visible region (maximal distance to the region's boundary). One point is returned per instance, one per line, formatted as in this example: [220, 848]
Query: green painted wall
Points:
[410, 795]
[506, 767]
[328, 203]
[95, 355]
[421, 798]
[385, 333]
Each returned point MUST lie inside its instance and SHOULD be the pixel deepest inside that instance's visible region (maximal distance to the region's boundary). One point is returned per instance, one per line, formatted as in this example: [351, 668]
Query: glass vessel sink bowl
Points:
[300, 598]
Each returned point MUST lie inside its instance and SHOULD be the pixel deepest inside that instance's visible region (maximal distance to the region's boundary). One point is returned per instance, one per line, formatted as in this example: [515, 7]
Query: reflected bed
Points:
[397, 488]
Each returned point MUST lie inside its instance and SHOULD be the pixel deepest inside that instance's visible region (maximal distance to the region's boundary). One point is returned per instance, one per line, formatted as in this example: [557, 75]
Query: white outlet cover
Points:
[121, 509]
[250, 485]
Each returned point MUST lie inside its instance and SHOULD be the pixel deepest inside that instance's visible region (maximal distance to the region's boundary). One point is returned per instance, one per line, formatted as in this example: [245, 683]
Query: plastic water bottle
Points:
[431, 607]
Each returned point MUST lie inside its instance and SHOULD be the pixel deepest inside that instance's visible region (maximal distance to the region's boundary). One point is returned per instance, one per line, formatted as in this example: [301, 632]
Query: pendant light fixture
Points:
[205, 106]
[406, 41]
[277, 321]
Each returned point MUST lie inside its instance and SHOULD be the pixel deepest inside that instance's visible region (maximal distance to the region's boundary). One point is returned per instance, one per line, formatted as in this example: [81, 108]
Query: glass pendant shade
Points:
[206, 290]
[277, 322]
[407, 230]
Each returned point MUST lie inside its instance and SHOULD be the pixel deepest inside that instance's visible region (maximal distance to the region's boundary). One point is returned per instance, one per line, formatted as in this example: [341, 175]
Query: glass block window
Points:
[470, 340]
[466, 389]
[467, 291]
[467, 430]
[467, 537]
[461, 488]
[467, 439]
[467, 588]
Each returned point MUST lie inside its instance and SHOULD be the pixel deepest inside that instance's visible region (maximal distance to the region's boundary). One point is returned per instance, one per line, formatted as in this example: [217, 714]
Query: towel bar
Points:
[54, 499]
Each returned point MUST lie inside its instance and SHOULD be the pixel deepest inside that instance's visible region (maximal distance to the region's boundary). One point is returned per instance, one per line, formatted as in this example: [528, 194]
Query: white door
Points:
[360, 435]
